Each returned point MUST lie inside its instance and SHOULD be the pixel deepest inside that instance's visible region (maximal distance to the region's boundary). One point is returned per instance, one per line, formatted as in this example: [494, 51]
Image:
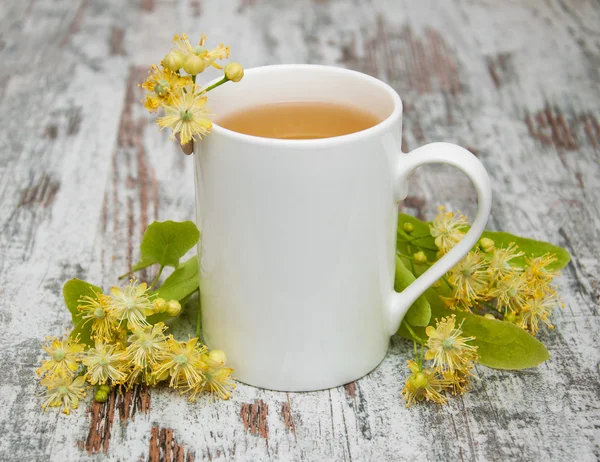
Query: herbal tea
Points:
[299, 120]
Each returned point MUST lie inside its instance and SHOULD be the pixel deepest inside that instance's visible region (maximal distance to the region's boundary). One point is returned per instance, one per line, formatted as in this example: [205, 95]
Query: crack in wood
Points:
[75, 25]
[254, 418]
[407, 61]
[288, 418]
[164, 447]
[551, 128]
[501, 68]
[102, 415]
[117, 36]
[41, 193]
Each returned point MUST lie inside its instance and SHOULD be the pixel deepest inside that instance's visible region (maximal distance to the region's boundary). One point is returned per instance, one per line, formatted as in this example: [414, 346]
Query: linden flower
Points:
[163, 84]
[423, 384]
[500, 262]
[64, 357]
[538, 308]
[448, 349]
[63, 391]
[98, 311]
[146, 345]
[217, 378]
[511, 292]
[470, 277]
[447, 229]
[538, 276]
[104, 362]
[458, 382]
[132, 304]
[182, 361]
[183, 45]
[458, 302]
[188, 116]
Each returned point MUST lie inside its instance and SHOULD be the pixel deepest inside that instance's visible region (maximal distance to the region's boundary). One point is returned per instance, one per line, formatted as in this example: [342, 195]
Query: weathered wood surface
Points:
[83, 170]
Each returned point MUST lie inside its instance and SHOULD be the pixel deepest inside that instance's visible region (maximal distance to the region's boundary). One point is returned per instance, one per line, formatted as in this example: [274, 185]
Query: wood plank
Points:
[83, 171]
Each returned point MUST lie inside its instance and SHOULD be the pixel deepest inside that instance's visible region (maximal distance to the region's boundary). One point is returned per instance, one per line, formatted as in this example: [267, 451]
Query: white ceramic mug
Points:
[298, 239]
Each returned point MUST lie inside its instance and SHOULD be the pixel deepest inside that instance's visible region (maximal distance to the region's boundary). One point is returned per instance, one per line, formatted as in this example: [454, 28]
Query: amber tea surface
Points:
[299, 120]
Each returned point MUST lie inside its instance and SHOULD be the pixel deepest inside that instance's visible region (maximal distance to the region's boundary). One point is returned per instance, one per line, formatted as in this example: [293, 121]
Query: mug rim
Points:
[380, 127]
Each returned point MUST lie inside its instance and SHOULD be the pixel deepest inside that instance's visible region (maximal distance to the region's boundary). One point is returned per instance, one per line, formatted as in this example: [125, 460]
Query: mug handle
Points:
[445, 153]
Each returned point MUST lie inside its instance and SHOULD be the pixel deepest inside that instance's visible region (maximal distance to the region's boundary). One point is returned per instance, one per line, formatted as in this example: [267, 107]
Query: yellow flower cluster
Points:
[129, 350]
[485, 277]
[184, 101]
[453, 359]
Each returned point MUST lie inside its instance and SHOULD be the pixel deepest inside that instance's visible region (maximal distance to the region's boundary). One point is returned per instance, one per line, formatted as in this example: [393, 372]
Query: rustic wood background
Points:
[83, 171]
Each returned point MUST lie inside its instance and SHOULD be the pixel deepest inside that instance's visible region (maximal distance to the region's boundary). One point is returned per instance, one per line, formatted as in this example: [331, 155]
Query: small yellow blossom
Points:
[65, 355]
[423, 384]
[183, 45]
[458, 302]
[63, 391]
[98, 311]
[448, 349]
[447, 229]
[132, 305]
[538, 276]
[470, 277]
[458, 382]
[146, 345]
[105, 362]
[538, 309]
[182, 361]
[511, 292]
[500, 261]
[188, 116]
[217, 378]
[164, 85]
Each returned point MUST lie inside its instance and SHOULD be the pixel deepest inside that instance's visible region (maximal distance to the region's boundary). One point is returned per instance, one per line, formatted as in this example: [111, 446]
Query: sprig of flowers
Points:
[181, 99]
[504, 278]
[148, 356]
[452, 357]
[486, 278]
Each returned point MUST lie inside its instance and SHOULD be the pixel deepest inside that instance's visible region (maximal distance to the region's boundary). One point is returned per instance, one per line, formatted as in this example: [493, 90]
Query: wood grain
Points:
[83, 170]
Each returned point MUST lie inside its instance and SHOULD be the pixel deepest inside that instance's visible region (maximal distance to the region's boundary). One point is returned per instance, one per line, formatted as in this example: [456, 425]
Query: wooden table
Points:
[83, 171]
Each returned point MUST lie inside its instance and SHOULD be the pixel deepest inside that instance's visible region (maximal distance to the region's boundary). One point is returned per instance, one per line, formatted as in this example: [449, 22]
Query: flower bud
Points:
[160, 305]
[408, 227]
[173, 60]
[104, 387]
[489, 316]
[486, 244]
[420, 257]
[173, 308]
[193, 64]
[218, 356]
[419, 380]
[101, 396]
[234, 72]
[510, 317]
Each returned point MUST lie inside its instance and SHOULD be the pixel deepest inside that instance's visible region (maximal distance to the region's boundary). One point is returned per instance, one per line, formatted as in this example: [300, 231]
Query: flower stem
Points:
[157, 277]
[215, 85]
[199, 317]
[415, 337]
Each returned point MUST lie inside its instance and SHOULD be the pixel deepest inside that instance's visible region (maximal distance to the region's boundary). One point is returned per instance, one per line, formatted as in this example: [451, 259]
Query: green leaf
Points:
[418, 239]
[82, 332]
[419, 313]
[166, 242]
[183, 282]
[530, 247]
[502, 345]
[73, 290]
